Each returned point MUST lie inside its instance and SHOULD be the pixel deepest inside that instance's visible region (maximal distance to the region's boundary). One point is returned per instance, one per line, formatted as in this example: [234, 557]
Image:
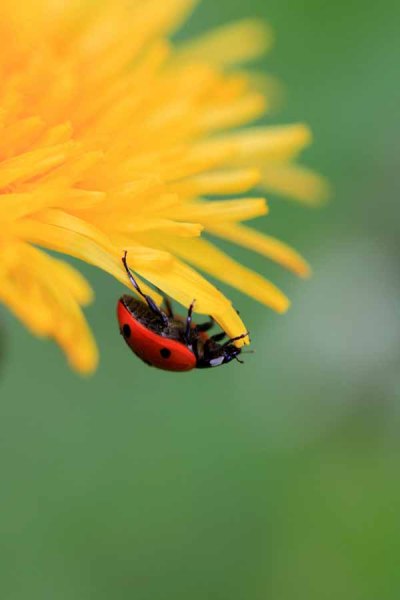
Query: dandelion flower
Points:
[114, 139]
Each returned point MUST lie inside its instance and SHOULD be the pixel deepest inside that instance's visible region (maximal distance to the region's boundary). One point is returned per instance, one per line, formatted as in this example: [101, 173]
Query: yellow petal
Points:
[144, 256]
[224, 210]
[35, 316]
[296, 182]
[71, 278]
[278, 142]
[32, 164]
[230, 44]
[263, 244]
[207, 257]
[268, 85]
[62, 219]
[138, 224]
[58, 134]
[80, 246]
[75, 169]
[38, 292]
[236, 113]
[15, 206]
[234, 181]
[20, 135]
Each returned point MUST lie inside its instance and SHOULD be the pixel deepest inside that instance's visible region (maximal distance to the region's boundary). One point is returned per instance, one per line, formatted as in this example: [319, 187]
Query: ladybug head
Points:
[219, 355]
[231, 352]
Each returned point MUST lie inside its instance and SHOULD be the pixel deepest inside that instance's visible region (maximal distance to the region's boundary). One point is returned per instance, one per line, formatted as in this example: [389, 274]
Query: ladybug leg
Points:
[168, 307]
[195, 348]
[218, 337]
[235, 339]
[206, 326]
[189, 322]
[149, 300]
[167, 302]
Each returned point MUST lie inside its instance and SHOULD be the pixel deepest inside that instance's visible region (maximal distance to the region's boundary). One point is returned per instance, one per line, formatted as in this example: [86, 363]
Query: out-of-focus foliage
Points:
[278, 479]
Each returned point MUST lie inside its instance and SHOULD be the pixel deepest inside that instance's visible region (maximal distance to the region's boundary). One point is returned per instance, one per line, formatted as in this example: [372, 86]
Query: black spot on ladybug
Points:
[126, 330]
[165, 353]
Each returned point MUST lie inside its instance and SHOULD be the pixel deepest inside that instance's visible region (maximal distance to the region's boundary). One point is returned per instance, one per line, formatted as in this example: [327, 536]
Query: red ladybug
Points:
[170, 342]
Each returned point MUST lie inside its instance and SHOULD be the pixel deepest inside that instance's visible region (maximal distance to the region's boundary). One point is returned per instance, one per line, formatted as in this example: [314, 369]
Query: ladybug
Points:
[167, 341]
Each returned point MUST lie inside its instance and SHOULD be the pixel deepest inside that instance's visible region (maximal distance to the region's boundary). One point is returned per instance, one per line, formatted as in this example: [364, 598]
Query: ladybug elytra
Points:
[167, 341]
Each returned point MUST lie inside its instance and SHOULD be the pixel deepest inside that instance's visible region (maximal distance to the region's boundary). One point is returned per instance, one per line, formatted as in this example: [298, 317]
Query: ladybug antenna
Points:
[148, 299]
[239, 361]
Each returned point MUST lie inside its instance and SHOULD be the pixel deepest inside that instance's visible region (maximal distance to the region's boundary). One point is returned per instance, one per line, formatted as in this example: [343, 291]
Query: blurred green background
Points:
[278, 479]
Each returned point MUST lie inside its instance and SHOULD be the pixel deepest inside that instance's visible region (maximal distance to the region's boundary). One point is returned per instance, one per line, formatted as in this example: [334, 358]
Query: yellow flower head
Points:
[113, 139]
